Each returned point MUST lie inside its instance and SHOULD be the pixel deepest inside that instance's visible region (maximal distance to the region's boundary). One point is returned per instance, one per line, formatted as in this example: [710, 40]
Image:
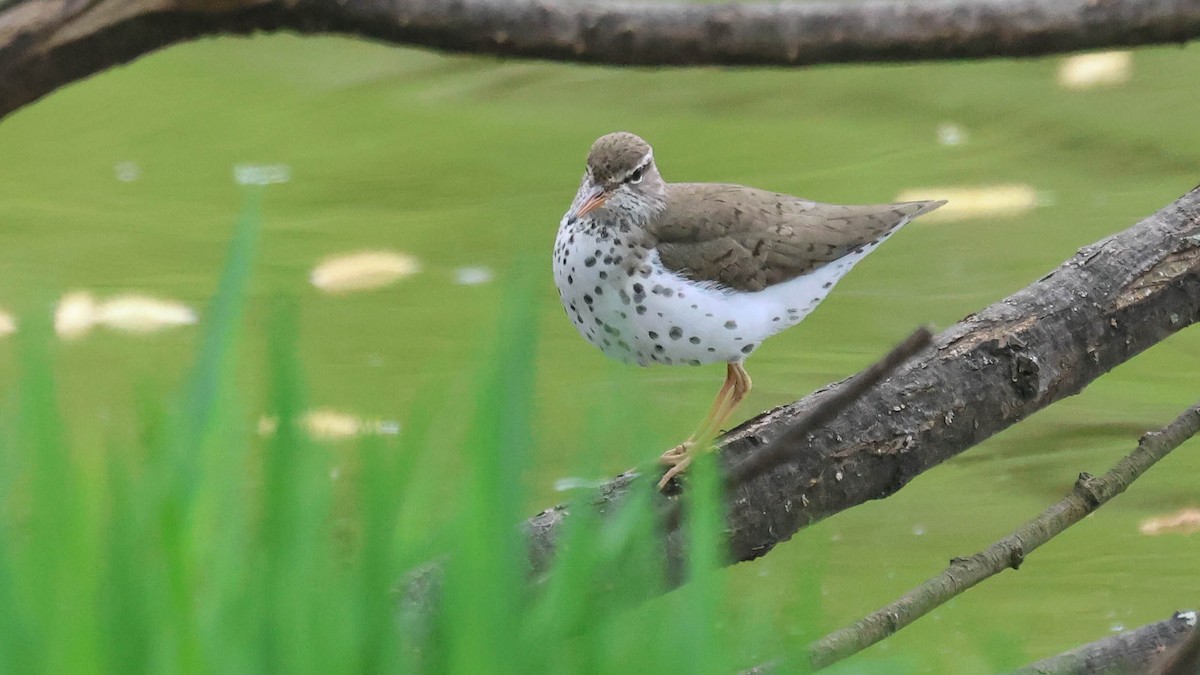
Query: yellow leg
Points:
[737, 385]
[741, 387]
[676, 453]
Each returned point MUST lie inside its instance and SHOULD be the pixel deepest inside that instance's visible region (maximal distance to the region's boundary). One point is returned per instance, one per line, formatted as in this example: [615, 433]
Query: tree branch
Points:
[1133, 651]
[45, 44]
[994, 368]
[776, 454]
[1184, 658]
[1089, 494]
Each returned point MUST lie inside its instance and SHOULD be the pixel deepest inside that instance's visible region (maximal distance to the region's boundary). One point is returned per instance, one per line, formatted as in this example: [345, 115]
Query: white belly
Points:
[665, 318]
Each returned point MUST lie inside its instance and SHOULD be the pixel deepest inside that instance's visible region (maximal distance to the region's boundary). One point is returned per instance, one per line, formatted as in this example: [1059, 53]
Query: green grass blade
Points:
[222, 320]
[485, 584]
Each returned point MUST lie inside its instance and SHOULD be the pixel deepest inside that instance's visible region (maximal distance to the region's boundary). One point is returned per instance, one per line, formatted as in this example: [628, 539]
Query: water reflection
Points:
[950, 134]
[127, 172]
[262, 174]
[571, 483]
[472, 276]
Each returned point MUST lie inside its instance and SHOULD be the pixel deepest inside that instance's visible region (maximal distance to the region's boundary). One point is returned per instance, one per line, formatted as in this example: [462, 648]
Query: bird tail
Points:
[914, 209]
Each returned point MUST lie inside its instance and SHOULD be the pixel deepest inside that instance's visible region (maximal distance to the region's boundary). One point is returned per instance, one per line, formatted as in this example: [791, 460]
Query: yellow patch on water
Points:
[79, 312]
[8, 323]
[363, 271]
[964, 203]
[143, 314]
[1183, 521]
[1105, 69]
[74, 315]
[326, 424]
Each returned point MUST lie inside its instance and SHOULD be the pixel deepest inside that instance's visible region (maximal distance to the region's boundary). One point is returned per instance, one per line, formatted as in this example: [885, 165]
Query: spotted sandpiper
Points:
[694, 273]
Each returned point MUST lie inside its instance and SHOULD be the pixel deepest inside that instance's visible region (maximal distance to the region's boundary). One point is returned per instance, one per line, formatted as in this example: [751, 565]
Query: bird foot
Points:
[677, 458]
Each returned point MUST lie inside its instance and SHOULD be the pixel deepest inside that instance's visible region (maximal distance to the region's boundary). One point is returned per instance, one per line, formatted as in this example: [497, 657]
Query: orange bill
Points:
[594, 201]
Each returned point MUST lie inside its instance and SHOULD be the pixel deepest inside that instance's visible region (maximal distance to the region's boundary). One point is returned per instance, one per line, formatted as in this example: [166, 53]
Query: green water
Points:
[470, 162]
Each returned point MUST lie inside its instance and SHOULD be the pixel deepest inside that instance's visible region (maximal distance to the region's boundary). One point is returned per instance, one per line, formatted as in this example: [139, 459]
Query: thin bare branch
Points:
[1089, 494]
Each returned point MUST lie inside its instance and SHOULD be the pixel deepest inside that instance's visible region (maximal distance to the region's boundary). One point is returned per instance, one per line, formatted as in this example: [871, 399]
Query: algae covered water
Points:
[454, 171]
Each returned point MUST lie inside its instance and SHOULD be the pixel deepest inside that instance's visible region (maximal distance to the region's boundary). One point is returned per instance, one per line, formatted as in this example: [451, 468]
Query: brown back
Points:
[748, 239]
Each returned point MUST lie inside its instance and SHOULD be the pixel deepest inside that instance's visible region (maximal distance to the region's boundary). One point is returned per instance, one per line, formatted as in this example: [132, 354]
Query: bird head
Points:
[621, 179]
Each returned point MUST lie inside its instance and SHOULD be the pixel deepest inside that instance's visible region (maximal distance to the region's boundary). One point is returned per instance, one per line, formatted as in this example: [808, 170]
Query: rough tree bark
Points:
[45, 44]
[1106, 304]
[1132, 651]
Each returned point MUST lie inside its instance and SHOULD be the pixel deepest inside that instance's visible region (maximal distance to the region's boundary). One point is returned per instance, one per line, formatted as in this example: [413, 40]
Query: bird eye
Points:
[636, 176]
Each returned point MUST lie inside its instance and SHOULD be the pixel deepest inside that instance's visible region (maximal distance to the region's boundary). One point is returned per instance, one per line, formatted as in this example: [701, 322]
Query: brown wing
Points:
[749, 239]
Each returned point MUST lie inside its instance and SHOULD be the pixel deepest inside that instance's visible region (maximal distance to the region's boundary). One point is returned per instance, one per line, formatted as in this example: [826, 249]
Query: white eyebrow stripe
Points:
[642, 164]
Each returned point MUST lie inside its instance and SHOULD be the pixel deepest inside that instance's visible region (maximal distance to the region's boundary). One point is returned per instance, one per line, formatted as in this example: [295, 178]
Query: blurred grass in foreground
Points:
[202, 549]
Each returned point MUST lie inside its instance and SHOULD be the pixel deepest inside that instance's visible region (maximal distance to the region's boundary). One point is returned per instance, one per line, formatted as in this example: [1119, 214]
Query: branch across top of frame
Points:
[787, 33]
[47, 44]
